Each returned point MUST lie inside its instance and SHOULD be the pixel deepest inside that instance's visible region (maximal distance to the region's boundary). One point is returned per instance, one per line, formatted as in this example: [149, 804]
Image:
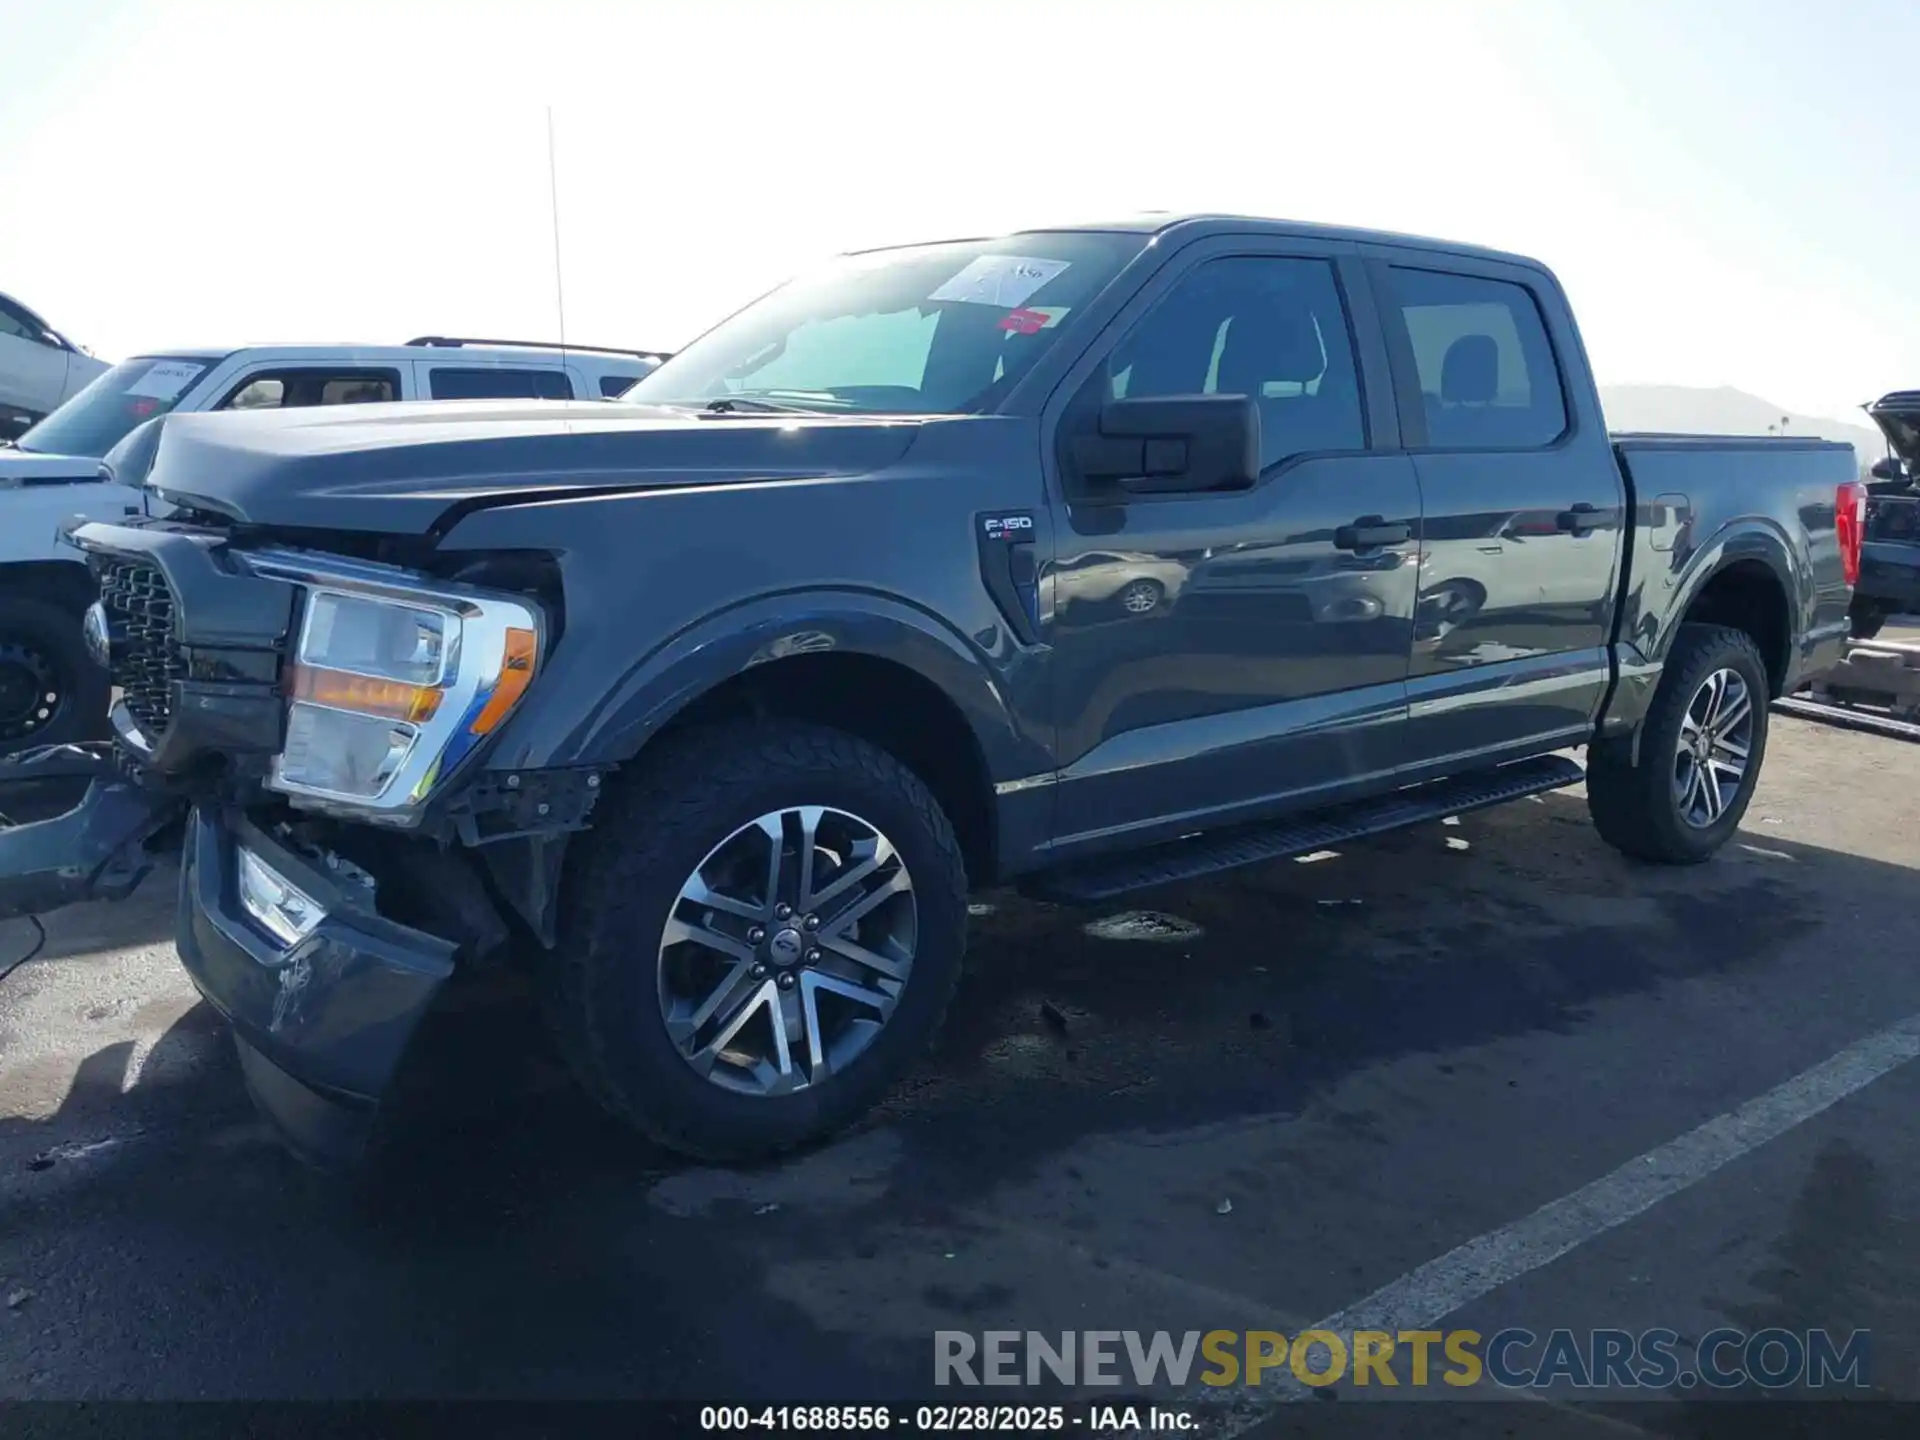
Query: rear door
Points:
[1222, 655]
[1523, 505]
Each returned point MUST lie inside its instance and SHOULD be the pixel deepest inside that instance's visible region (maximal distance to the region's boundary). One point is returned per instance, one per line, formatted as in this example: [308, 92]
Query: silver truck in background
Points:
[50, 692]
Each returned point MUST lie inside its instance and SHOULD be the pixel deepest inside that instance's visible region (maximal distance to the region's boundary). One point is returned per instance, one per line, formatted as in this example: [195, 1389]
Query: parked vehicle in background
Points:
[48, 690]
[39, 368]
[711, 709]
[1890, 558]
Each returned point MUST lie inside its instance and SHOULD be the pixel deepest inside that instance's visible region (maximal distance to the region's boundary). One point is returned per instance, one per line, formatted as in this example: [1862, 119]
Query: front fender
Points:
[640, 700]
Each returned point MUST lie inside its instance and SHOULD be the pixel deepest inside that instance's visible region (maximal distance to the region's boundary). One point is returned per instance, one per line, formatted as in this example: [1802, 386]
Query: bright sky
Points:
[1725, 186]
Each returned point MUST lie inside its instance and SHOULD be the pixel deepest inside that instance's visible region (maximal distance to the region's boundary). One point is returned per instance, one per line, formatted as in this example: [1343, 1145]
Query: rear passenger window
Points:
[612, 387]
[1271, 328]
[1487, 372]
[499, 384]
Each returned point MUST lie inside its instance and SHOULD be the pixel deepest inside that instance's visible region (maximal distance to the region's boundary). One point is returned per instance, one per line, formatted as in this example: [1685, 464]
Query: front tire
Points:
[1701, 747]
[710, 988]
[51, 692]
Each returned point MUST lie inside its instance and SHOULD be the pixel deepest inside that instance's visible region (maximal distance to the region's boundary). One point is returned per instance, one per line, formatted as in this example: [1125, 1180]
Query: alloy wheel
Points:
[1716, 742]
[787, 950]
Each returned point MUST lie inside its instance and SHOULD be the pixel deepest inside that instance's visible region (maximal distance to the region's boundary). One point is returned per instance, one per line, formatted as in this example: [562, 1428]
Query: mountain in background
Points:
[1684, 410]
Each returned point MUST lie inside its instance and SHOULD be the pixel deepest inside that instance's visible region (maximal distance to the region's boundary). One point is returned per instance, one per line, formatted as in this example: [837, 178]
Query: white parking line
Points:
[1423, 1297]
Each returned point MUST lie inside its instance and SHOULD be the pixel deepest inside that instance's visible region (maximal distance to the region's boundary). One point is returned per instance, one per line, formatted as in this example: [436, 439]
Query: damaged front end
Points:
[306, 725]
[77, 827]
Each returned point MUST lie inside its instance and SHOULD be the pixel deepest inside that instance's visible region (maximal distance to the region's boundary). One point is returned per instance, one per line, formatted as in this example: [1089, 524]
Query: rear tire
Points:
[51, 692]
[1641, 809]
[619, 970]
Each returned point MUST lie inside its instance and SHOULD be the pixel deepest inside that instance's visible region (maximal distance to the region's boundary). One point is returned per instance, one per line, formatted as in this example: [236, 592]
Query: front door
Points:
[1223, 655]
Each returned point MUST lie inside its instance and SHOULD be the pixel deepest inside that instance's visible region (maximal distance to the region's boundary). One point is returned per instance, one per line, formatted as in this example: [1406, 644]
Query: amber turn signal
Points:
[389, 699]
[516, 673]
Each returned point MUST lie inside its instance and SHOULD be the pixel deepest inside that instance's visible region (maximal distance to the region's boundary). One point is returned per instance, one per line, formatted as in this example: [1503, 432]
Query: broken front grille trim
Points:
[148, 658]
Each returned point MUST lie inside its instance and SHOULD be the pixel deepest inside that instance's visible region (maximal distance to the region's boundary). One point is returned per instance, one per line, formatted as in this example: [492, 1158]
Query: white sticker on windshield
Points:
[165, 379]
[1003, 280]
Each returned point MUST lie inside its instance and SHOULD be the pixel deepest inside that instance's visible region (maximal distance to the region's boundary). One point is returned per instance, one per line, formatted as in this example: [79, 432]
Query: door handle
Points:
[1580, 519]
[1370, 532]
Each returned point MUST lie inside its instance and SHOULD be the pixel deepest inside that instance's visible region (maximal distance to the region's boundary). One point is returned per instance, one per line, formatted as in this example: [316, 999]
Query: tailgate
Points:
[1893, 519]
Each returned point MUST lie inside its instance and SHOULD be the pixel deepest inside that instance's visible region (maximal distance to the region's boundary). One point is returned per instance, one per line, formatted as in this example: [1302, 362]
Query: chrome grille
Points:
[140, 608]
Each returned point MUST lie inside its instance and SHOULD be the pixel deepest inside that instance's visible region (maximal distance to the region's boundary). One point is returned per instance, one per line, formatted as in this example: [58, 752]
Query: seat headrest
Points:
[1470, 375]
[1280, 343]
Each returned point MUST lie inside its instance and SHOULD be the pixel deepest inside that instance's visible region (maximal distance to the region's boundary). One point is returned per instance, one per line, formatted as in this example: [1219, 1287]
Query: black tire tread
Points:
[57, 627]
[682, 785]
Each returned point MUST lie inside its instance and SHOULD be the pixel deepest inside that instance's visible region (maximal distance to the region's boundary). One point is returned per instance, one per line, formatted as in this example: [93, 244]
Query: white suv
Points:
[49, 690]
[39, 367]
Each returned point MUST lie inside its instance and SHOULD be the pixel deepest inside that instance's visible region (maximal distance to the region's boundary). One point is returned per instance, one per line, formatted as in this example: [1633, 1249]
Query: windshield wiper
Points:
[748, 405]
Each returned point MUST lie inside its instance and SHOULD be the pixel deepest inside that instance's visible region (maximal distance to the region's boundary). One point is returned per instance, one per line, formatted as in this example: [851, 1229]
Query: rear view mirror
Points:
[1172, 444]
[1887, 469]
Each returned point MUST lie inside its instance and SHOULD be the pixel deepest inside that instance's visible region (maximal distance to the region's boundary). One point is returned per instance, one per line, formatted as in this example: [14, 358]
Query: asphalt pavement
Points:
[1363, 1086]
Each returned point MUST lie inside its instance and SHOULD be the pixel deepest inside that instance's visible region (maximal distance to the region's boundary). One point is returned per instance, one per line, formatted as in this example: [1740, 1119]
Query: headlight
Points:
[394, 681]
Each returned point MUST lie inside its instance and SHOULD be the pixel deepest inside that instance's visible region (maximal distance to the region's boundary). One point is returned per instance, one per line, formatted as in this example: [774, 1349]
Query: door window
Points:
[299, 389]
[1487, 374]
[1271, 328]
[13, 323]
[449, 383]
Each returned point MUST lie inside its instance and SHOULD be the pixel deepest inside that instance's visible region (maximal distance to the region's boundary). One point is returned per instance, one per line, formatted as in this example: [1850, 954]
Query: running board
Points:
[1093, 881]
[1847, 718]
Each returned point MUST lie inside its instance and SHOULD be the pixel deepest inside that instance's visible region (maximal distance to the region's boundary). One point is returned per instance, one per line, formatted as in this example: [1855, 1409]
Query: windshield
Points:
[98, 418]
[935, 329]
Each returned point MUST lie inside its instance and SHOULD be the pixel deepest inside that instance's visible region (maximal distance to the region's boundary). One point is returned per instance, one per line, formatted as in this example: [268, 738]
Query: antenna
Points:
[553, 200]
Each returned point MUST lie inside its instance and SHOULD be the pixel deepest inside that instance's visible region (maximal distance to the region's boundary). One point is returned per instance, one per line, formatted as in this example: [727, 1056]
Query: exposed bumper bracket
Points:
[94, 850]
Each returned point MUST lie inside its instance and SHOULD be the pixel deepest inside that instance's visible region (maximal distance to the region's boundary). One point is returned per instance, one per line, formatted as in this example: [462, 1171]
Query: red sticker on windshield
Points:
[1025, 322]
[145, 407]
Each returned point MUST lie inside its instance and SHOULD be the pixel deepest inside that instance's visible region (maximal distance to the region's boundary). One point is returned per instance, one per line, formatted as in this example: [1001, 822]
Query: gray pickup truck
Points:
[1084, 560]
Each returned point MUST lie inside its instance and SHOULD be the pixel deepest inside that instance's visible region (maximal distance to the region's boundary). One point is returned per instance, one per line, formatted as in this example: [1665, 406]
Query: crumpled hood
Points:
[1898, 416]
[398, 469]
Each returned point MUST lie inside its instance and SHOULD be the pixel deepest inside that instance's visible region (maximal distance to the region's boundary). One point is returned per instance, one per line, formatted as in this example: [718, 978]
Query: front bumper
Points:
[321, 1025]
[76, 827]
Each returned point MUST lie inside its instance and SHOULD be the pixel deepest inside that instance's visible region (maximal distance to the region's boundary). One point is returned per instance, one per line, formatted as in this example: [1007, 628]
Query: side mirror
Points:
[1173, 444]
[1887, 469]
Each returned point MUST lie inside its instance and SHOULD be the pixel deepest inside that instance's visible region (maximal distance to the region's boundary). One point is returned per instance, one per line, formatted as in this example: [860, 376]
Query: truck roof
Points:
[1190, 224]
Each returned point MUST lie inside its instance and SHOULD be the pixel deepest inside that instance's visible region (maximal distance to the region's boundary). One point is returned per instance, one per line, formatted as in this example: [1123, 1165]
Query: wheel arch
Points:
[66, 583]
[828, 657]
[1748, 579]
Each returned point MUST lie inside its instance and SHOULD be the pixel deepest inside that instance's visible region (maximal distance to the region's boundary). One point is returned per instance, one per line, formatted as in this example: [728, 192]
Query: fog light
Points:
[280, 907]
